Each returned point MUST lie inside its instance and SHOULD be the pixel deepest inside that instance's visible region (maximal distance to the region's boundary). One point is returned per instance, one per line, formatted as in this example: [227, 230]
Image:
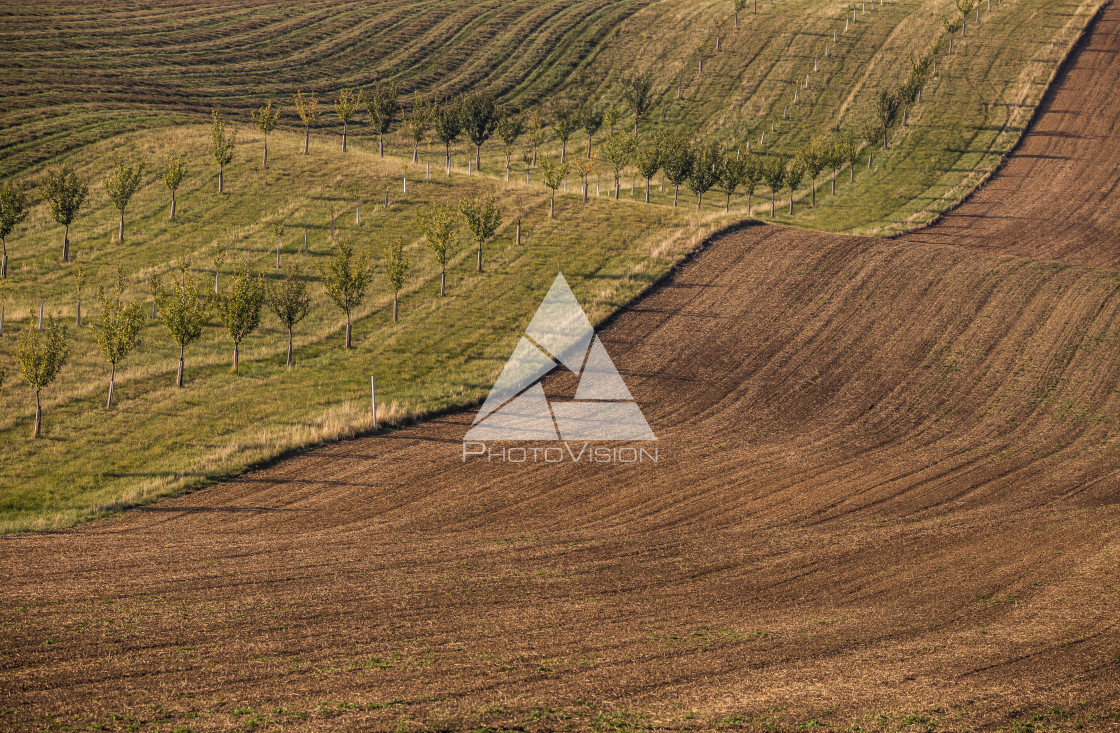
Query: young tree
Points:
[740, 6]
[79, 281]
[618, 150]
[118, 334]
[346, 278]
[155, 284]
[647, 159]
[591, 120]
[480, 117]
[965, 7]
[611, 116]
[41, 355]
[584, 167]
[418, 120]
[222, 139]
[733, 173]
[565, 121]
[535, 134]
[873, 131]
[483, 219]
[554, 175]
[183, 311]
[701, 48]
[240, 308]
[290, 301]
[952, 25]
[265, 119]
[394, 262]
[121, 185]
[886, 111]
[509, 129]
[382, 106]
[13, 210]
[851, 154]
[774, 173]
[173, 174]
[706, 170]
[794, 174]
[437, 224]
[637, 90]
[278, 232]
[218, 258]
[447, 123]
[65, 191]
[676, 161]
[308, 110]
[815, 156]
[346, 106]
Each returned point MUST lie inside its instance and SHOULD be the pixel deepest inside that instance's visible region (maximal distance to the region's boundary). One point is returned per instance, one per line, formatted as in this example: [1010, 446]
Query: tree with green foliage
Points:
[509, 129]
[732, 174]
[647, 159]
[887, 105]
[480, 118]
[265, 118]
[534, 134]
[346, 278]
[637, 91]
[483, 218]
[447, 123]
[774, 173]
[65, 191]
[815, 157]
[223, 137]
[346, 106]
[240, 308]
[554, 175]
[565, 121]
[836, 156]
[739, 6]
[965, 7]
[591, 120]
[118, 334]
[851, 154]
[794, 173]
[437, 225]
[676, 161]
[753, 177]
[910, 91]
[308, 110]
[706, 169]
[173, 173]
[584, 166]
[13, 210]
[121, 185]
[701, 49]
[611, 116]
[418, 120]
[952, 24]
[218, 258]
[41, 354]
[394, 263]
[290, 301]
[382, 106]
[278, 229]
[873, 131]
[618, 150]
[183, 310]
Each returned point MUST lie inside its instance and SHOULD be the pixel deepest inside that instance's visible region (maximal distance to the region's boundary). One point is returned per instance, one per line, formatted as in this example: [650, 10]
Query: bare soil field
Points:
[886, 497]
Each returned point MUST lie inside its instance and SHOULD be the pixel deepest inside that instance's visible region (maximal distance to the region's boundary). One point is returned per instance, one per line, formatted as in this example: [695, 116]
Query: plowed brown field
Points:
[887, 495]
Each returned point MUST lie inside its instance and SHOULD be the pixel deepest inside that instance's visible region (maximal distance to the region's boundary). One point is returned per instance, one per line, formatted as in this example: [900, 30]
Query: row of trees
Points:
[186, 305]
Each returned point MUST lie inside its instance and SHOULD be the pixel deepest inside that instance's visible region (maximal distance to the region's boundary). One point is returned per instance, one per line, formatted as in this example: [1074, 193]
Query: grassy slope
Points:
[443, 353]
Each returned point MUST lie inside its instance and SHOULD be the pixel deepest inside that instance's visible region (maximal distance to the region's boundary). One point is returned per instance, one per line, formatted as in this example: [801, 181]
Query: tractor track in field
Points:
[887, 484]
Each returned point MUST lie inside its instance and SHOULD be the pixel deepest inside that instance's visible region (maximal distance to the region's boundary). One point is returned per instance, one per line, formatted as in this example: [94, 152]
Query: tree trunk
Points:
[950, 45]
[112, 374]
[647, 190]
[305, 241]
[852, 173]
[478, 158]
[348, 330]
[4, 258]
[736, 20]
[217, 274]
[344, 137]
[564, 147]
[265, 151]
[179, 376]
[885, 144]
[870, 156]
[699, 201]
[221, 179]
[153, 307]
[791, 202]
[589, 147]
[277, 255]
[478, 265]
[442, 279]
[676, 190]
[79, 312]
[771, 204]
[172, 205]
[66, 244]
[289, 348]
[834, 185]
[394, 306]
[447, 155]
[37, 431]
[756, 7]
[381, 144]
[552, 205]
[40, 314]
[236, 355]
[306, 138]
[518, 237]
[616, 188]
[415, 152]
[120, 230]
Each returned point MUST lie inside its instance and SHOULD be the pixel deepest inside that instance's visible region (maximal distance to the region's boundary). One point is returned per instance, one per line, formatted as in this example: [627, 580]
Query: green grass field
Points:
[142, 78]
